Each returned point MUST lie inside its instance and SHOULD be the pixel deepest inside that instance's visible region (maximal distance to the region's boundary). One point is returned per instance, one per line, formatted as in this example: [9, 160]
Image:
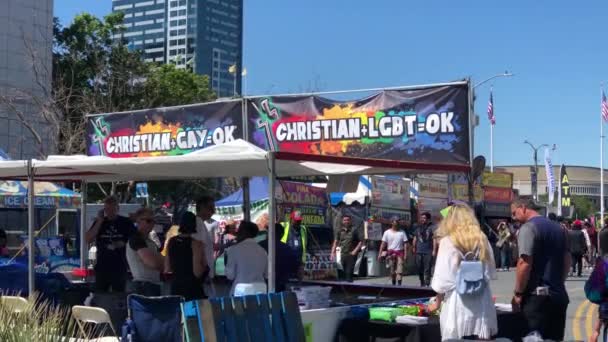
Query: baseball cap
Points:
[296, 216]
[578, 223]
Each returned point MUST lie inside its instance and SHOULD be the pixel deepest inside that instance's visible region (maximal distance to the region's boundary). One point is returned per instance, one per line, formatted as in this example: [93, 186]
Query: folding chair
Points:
[92, 315]
[273, 317]
[14, 303]
[153, 319]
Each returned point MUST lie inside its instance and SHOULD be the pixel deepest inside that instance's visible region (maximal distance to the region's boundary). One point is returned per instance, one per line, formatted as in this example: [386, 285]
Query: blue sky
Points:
[557, 50]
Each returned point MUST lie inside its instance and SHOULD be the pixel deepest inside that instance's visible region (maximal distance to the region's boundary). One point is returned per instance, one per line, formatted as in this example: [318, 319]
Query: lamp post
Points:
[534, 179]
[504, 74]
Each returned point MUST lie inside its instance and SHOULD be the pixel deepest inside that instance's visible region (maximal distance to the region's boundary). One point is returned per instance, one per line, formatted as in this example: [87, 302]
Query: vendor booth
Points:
[397, 131]
[310, 200]
[56, 213]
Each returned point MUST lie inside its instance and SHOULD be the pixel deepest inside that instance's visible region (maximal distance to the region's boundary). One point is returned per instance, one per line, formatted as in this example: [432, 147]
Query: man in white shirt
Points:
[247, 262]
[395, 239]
[205, 208]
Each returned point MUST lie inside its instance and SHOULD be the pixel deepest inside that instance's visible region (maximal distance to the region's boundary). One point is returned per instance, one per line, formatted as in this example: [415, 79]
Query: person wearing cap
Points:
[542, 268]
[295, 235]
[143, 256]
[578, 247]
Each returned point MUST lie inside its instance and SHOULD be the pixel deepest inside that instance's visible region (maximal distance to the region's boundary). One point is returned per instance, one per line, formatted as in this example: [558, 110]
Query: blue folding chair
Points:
[153, 319]
[273, 317]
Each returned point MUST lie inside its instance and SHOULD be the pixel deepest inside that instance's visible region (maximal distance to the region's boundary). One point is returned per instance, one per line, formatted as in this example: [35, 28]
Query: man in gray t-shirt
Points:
[543, 265]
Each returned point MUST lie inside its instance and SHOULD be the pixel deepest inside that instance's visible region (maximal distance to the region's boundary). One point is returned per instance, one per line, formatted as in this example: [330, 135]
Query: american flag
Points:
[604, 107]
[491, 116]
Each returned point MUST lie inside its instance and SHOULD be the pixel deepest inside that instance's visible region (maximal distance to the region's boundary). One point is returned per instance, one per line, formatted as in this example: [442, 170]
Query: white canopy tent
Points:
[234, 159]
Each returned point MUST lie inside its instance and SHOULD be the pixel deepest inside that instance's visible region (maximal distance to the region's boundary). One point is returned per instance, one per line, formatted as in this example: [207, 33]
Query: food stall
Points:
[56, 213]
[396, 131]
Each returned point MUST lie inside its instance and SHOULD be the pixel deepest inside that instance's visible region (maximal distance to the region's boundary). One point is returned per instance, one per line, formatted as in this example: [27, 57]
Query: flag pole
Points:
[601, 158]
[492, 132]
[492, 147]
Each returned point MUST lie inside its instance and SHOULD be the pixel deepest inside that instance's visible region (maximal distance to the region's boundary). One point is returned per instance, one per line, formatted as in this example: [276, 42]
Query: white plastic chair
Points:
[14, 303]
[93, 315]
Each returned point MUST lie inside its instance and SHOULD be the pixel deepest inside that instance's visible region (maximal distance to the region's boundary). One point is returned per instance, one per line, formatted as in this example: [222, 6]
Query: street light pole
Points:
[505, 74]
[535, 180]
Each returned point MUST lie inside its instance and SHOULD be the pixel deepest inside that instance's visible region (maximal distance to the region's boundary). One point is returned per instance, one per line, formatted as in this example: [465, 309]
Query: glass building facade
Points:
[205, 35]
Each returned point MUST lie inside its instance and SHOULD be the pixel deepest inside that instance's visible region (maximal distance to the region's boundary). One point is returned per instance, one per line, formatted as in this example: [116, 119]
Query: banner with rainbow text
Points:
[164, 131]
[426, 125]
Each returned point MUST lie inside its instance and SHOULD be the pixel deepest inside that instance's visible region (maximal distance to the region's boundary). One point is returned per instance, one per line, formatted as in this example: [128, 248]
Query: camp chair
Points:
[92, 315]
[14, 303]
[153, 319]
[257, 318]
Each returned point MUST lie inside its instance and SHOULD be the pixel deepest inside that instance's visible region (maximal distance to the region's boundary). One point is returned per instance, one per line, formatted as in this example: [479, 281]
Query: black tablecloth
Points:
[510, 325]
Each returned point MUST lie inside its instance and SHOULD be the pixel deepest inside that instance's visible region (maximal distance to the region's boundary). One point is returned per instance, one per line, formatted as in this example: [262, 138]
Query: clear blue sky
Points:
[557, 49]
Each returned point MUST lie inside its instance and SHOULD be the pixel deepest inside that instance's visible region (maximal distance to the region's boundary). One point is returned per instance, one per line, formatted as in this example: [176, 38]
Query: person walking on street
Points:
[464, 253]
[578, 247]
[504, 245]
[423, 248]
[592, 250]
[348, 243]
[396, 241]
[110, 232]
[542, 268]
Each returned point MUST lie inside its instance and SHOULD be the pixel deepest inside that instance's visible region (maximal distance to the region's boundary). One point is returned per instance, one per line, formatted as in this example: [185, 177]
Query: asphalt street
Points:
[582, 315]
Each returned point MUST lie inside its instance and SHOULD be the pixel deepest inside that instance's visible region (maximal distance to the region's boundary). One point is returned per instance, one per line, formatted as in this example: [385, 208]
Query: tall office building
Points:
[205, 35]
[26, 37]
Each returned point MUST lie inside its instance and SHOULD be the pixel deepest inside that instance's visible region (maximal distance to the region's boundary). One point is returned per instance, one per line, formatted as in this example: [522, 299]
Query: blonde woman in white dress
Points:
[463, 315]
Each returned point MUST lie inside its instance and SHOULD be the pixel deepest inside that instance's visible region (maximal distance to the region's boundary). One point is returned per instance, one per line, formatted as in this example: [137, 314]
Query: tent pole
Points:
[83, 223]
[271, 221]
[31, 254]
[246, 199]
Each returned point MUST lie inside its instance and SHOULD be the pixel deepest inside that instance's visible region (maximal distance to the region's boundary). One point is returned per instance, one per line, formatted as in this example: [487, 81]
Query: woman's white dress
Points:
[463, 315]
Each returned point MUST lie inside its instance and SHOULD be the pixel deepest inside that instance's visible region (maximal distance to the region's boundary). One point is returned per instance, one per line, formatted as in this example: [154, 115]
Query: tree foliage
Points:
[167, 85]
[583, 207]
[95, 71]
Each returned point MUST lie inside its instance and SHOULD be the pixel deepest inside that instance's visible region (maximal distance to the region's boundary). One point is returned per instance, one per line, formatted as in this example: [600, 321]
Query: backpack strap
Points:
[474, 253]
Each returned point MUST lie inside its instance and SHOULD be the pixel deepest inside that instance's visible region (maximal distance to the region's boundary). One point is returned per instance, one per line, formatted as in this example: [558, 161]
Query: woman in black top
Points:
[186, 261]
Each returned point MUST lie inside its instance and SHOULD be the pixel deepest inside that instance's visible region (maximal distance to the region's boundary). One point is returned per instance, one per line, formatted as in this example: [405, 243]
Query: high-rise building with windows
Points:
[26, 39]
[205, 35]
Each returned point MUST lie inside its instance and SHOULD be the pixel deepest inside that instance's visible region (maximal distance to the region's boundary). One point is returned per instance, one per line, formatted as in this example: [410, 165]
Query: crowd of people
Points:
[186, 259]
[466, 263]
[457, 258]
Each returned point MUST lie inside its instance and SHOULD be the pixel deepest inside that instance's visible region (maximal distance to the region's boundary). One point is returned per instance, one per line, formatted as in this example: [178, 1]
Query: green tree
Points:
[583, 207]
[93, 72]
[166, 85]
